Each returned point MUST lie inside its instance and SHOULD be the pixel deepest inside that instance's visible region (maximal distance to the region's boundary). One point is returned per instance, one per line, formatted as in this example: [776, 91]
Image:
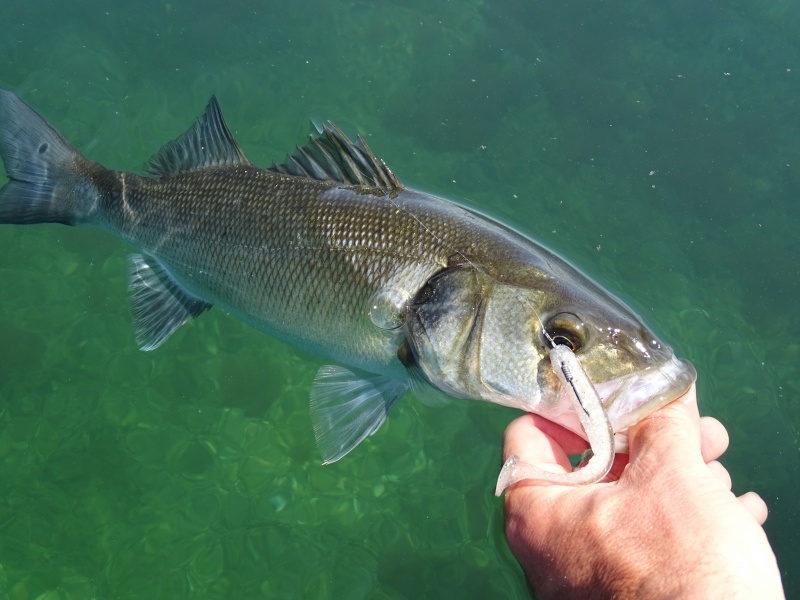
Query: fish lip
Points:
[630, 398]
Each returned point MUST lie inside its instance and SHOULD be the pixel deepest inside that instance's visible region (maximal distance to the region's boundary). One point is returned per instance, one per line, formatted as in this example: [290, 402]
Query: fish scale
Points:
[328, 251]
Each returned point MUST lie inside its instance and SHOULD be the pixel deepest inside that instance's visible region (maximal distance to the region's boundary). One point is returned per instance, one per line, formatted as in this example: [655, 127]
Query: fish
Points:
[594, 419]
[331, 253]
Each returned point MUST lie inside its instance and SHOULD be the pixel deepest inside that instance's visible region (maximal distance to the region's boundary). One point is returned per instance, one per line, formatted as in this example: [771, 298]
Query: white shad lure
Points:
[595, 423]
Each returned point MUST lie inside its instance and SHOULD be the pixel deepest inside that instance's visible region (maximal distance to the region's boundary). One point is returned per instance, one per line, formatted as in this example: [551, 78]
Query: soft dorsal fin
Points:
[207, 143]
[331, 156]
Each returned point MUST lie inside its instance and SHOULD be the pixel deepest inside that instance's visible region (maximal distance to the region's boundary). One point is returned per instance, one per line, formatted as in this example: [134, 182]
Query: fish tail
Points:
[49, 180]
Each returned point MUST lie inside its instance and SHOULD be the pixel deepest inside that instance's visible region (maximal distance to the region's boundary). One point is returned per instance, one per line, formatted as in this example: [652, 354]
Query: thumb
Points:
[671, 434]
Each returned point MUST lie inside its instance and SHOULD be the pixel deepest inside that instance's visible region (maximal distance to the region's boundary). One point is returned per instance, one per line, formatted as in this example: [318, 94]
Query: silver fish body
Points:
[329, 252]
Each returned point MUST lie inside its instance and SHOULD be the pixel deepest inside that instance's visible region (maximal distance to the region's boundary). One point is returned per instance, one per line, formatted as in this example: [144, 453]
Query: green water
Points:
[653, 144]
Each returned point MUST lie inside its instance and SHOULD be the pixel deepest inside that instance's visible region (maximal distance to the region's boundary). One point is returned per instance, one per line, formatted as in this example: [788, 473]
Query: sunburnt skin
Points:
[328, 251]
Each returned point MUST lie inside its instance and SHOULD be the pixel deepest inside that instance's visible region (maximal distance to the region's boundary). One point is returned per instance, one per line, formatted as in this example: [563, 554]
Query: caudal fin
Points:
[47, 176]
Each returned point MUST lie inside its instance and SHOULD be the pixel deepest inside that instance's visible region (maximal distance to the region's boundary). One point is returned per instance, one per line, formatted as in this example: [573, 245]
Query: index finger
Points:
[538, 441]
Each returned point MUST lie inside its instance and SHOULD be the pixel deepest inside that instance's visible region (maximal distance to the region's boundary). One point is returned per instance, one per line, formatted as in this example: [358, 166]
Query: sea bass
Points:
[329, 252]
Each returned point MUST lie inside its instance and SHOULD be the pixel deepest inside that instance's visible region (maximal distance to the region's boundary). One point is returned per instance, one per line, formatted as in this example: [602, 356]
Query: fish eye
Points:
[564, 338]
[565, 329]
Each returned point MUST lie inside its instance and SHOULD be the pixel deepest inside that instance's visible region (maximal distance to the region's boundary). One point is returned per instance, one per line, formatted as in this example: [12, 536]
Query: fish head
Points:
[479, 336]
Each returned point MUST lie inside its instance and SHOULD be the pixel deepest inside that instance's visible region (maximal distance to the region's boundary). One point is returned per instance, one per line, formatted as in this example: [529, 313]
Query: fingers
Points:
[753, 503]
[713, 438]
[713, 443]
[672, 433]
[676, 432]
[536, 441]
[720, 473]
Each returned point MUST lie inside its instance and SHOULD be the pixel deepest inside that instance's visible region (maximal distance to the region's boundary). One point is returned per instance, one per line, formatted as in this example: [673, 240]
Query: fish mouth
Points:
[630, 398]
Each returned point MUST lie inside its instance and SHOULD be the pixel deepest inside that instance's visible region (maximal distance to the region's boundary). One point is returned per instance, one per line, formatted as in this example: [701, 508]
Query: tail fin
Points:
[47, 177]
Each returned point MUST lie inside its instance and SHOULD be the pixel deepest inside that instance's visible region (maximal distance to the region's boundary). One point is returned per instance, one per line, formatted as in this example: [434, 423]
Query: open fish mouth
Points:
[630, 398]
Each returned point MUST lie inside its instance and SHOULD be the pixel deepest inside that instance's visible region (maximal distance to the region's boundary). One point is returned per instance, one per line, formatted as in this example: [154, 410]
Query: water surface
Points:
[652, 144]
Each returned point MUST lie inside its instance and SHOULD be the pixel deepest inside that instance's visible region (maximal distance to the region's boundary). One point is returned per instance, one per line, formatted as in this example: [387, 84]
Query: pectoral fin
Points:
[347, 405]
[159, 305]
[424, 390]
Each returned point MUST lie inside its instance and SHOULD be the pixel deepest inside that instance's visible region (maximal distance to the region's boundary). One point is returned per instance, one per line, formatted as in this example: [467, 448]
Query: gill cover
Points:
[443, 326]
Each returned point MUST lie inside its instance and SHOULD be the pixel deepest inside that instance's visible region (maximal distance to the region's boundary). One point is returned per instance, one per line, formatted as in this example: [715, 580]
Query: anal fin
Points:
[159, 305]
[347, 405]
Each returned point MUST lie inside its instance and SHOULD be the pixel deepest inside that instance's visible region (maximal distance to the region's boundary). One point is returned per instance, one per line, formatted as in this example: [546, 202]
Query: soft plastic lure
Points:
[593, 418]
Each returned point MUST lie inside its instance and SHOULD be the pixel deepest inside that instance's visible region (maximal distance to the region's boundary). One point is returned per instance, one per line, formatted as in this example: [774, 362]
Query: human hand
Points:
[662, 524]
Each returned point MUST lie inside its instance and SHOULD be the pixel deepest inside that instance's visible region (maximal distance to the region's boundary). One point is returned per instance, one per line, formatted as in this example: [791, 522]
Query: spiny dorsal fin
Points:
[207, 143]
[330, 156]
